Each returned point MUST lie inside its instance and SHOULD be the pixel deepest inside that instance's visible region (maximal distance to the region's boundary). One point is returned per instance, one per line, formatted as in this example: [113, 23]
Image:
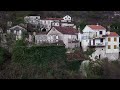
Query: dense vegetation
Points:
[39, 62]
[103, 69]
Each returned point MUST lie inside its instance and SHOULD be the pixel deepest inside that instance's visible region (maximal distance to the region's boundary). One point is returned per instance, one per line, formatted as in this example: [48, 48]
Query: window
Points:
[109, 39]
[115, 46]
[109, 47]
[100, 32]
[101, 40]
[115, 39]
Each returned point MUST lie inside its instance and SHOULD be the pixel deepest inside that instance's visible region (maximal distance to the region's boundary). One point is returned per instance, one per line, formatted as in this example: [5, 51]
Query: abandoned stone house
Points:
[64, 35]
[17, 31]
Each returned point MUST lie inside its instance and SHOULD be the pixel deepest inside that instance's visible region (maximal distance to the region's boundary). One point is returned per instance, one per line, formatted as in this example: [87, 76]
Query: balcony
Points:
[50, 42]
[97, 45]
[72, 41]
[97, 36]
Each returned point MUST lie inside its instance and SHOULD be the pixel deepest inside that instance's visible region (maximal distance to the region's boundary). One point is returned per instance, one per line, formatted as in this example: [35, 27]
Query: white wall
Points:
[80, 37]
[97, 41]
[55, 24]
[112, 43]
[67, 18]
[32, 19]
[66, 24]
[87, 29]
[67, 37]
[53, 31]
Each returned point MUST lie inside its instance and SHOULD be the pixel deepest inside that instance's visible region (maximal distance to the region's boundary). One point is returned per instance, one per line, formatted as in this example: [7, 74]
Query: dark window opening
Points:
[99, 56]
[101, 40]
[44, 30]
[100, 32]
[80, 44]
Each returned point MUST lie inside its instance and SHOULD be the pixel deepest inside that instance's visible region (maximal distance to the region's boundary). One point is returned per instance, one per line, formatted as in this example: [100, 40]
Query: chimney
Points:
[97, 24]
[108, 32]
[34, 33]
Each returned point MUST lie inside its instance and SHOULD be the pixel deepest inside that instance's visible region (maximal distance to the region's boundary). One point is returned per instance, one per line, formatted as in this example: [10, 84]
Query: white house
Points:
[67, 18]
[32, 19]
[112, 47]
[106, 43]
[41, 38]
[50, 22]
[67, 35]
[17, 31]
[93, 35]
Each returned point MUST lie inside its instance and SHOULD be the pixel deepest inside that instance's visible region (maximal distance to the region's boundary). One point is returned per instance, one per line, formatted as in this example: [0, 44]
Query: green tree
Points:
[82, 26]
[115, 27]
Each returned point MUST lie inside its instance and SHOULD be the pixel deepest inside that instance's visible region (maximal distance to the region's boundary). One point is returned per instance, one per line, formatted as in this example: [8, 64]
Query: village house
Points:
[17, 31]
[48, 23]
[66, 35]
[32, 19]
[106, 43]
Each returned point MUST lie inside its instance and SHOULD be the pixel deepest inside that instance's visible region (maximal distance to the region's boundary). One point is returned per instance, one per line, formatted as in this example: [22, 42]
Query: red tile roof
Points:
[96, 27]
[112, 34]
[54, 19]
[66, 30]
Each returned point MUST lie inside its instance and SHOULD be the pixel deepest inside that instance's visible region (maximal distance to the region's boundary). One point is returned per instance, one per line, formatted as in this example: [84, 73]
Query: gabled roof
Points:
[66, 30]
[96, 27]
[17, 27]
[113, 34]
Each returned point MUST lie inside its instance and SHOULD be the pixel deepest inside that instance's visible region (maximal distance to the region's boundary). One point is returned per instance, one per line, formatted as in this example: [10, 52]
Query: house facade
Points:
[64, 35]
[48, 23]
[32, 19]
[93, 35]
[96, 36]
[17, 31]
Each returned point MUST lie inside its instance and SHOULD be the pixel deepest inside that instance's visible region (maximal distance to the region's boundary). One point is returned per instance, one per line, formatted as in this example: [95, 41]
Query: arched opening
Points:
[99, 56]
[43, 30]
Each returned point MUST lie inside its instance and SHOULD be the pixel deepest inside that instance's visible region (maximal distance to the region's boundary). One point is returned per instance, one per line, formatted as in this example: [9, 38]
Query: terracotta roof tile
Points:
[96, 27]
[66, 30]
[112, 34]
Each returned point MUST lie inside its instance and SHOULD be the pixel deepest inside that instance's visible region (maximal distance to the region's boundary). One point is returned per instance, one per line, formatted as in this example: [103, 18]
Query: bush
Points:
[4, 55]
[39, 54]
[89, 51]
[73, 65]
[95, 70]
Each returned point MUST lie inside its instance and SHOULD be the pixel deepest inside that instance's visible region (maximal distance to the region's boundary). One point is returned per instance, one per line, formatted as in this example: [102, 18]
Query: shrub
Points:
[73, 65]
[39, 54]
[4, 55]
[89, 51]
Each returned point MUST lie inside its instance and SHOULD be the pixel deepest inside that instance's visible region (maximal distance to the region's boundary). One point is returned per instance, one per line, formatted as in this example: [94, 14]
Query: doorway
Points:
[93, 41]
[99, 56]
